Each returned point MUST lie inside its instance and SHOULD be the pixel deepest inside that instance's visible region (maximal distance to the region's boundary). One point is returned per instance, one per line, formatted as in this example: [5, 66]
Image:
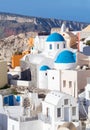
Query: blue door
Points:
[66, 113]
[11, 102]
[5, 100]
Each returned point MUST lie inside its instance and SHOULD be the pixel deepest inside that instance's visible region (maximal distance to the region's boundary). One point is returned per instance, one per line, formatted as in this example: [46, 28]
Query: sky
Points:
[76, 10]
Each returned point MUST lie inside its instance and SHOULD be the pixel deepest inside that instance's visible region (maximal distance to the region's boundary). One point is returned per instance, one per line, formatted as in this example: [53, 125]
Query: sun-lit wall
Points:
[16, 60]
[3, 73]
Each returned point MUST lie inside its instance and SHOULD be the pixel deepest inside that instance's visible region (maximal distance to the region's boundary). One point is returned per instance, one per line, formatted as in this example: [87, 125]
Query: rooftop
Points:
[55, 37]
[66, 56]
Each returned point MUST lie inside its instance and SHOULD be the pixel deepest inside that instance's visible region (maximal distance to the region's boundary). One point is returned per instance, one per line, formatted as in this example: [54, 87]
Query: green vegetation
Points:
[15, 92]
[88, 43]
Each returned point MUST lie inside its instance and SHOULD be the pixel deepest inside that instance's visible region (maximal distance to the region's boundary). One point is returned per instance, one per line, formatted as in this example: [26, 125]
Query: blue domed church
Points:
[62, 59]
[54, 43]
[48, 66]
[66, 59]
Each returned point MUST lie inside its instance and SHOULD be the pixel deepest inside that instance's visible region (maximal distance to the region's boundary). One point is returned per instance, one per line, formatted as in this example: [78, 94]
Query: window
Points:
[57, 46]
[50, 46]
[58, 112]
[73, 111]
[64, 83]
[53, 78]
[84, 102]
[45, 74]
[89, 94]
[70, 84]
[47, 111]
[66, 102]
[64, 45]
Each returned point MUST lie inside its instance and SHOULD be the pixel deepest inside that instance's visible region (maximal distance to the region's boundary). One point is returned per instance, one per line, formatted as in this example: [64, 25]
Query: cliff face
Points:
[14, 24]
[15, 31]
[13, 44]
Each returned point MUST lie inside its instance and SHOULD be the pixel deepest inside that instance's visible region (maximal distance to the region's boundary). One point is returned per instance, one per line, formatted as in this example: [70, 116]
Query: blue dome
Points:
[66, 57]
[55, 37]
[44, 68]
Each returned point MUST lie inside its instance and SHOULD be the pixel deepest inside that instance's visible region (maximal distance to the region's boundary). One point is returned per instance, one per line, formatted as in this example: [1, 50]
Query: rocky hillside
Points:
[15, 24]
[15, 31]
[13, 44]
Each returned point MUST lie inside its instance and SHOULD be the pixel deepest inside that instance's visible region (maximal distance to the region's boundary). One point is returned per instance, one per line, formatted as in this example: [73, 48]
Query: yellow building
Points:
[16, 57]
[16, 60]
[31, 42]
[3, 73]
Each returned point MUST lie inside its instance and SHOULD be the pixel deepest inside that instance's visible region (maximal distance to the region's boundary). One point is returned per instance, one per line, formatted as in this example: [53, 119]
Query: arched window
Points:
[57, 46]
[64, 45]
[50, 46]
[45, 74]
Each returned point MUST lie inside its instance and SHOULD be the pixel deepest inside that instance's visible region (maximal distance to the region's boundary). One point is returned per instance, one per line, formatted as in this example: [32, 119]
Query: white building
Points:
[54, 43]
[54, 109]
[83, 47]
[8, 103]
[18, 107]
[84, 104]
[84, 101]
[56, 68]
[65, 75]
[39, 44]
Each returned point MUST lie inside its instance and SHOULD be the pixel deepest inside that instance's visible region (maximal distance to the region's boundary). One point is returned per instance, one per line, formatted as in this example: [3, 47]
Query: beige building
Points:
[3, 73]
[74, 81]
[85, 32]
[56, 68]
[70, 38]
[68, 81]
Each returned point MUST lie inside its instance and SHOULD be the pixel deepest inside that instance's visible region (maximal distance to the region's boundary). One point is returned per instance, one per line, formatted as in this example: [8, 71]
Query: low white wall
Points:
[14, 111]
[31, 125]
[28, 125]
[21, 83]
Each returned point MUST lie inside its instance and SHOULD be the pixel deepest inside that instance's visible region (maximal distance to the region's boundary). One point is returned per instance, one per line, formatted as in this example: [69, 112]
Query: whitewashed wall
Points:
[54, 79]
